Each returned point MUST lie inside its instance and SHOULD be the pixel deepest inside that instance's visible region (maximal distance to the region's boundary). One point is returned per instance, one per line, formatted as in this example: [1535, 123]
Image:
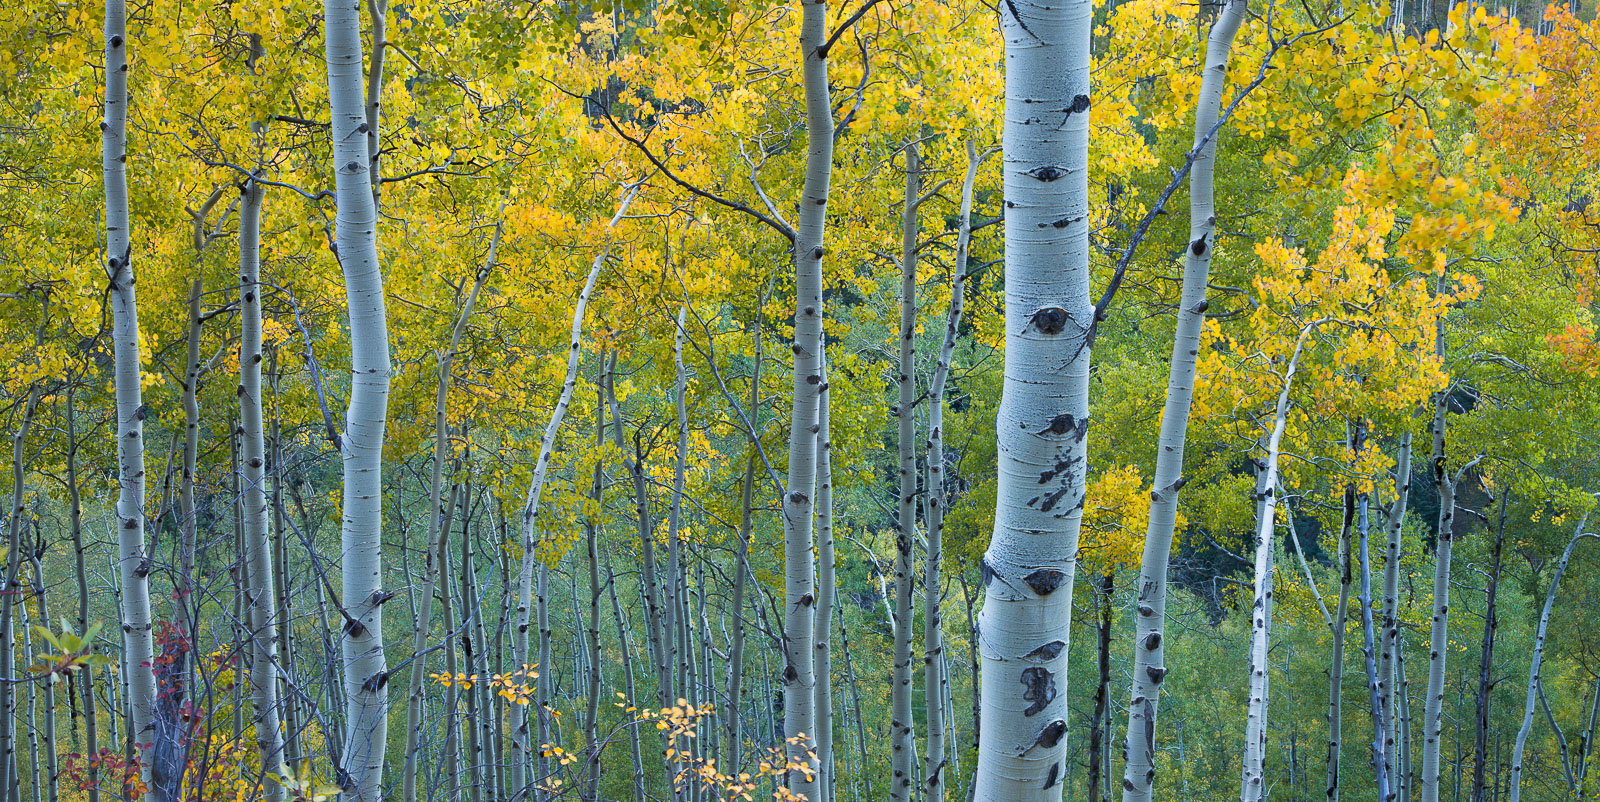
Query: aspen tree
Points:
[1388, 670]
[133, 563]
[529, 540]
[1043, 421]
[903, 740]
[800, 584]
[1149, 655]
[827, 593]
[936, 677]
[9, 786]
[261, 594]
[1514, 790]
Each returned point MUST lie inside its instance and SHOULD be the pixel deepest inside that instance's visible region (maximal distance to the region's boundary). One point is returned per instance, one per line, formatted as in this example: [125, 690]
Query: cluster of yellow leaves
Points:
[515, 687]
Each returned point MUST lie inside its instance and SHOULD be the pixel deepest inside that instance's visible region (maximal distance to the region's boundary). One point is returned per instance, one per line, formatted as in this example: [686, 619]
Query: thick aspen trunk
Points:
[132, 562]
[261, 595]
[1514, 793]
[1043, 421]
[1491, 622]
[530, 538]
[1253, 782]
[799, 589]
[1149, 655]
[365, 666]
[903, 741]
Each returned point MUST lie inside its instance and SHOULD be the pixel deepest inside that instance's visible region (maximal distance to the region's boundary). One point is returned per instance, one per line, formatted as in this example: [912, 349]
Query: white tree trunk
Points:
[1253, 783]
[1149, 653]
[903, 739]
[1534, 678]
[132, 562]
[262, 596]
[356, 234]
[826, 597]
[1043, 422]
[1388, 684]
[936, 679]
[799, 590]
[520, 749]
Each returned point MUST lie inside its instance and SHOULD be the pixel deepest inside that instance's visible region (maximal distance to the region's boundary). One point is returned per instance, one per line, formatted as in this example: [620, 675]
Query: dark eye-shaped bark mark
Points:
[1049, 651]
[1045, 581]
[1039, 687]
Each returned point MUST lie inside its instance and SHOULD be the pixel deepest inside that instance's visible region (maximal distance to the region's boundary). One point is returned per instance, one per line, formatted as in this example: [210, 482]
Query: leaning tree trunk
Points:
[520, 750]
[133, 563]
[799, 590]
[903, 739]
[1515, 792]
[1253, 782]
[437, 564]
[261, 593]
[1149, 655]
[1043, 421]
[936, 684]
[356, 234]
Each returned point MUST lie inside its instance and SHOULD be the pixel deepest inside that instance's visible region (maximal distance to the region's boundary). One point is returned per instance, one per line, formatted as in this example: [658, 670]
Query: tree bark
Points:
[10, 788]
[1514, 793]
[903, 740]
[1491, 622]
[261, 592]
[1043, 421]
[1253, 783]
[132, 562]
[1336, 661]
[799, 591]
[1388, 687]
[826, 596]
[1149, 655]
[1380, 709]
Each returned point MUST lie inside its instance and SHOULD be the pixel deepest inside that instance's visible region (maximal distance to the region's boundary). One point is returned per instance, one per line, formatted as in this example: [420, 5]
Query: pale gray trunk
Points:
[936, 687]
[1253, 781]
[530, 539]
[1380, 710]
[365, 667]
[799, 589]
[1149, 653]
[1043, 421]
[10, 788]
[261, 593]
[1336, 661]
[133, 563]
[1514, 793]
[91, 716]
[1388, 688]
[826, 596]
[903, 739]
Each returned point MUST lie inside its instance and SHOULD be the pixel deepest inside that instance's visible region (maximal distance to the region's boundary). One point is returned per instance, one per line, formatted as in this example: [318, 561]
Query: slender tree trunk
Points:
[10, 790]
[1388, 671]
[903, 742]
[1534, 677]
[591, 715]
[627, 675]
[262, 596]
[1336, 661]
[133, 563]
[936, 686]
[799, 590]
[292, 723]
[826, 596]
[356, 232]
[437, 563]
[1380, 710]
[52, 771]
[1098, 736]
[1253, 784]
[530, 539]
[1404, 778]
[91, 715]
[677, 622]
[1043, 421]
[1149, 655]
[731, 720]
[1433, 705]
[1491, 622]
